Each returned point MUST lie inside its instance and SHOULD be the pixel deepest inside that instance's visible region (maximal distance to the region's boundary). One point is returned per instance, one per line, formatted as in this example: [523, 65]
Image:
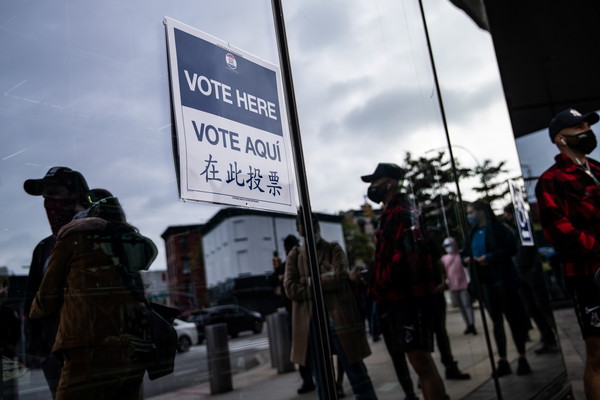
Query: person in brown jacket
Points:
[101, 334]
[348, 339]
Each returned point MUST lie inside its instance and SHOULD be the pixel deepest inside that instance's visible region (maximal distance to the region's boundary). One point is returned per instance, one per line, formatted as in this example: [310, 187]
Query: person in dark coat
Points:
[532, 287]
[493, 246]
[347, 334]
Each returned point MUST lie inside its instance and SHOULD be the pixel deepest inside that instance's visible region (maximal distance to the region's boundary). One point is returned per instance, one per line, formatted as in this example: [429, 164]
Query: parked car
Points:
[200, 318]
[187, 334]
[237, 318]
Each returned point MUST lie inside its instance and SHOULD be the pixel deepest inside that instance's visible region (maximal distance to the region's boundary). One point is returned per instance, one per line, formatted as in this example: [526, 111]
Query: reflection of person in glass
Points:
[403, 279]
[64, 192]
[289, 243]
[457, 280]
[568, 196]
[493, 246]
[532, 286]
[348, 338]
[102, 320]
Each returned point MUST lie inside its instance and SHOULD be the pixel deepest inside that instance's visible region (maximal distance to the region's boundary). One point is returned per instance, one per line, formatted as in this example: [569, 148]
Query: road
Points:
[190, 368]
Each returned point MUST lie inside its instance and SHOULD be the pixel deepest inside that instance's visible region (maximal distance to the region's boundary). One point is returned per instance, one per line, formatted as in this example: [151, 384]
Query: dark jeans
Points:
[397, 355]
[51, 367]
[440, 332]
[356, 372]
[500, 302]
[534, 294]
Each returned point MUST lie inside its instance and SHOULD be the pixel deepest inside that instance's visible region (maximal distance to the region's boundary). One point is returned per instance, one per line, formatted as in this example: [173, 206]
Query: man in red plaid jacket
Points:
[568, 196]
[403, 282]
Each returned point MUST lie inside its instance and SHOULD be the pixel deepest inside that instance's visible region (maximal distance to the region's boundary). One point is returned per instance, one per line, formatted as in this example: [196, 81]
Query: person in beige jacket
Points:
[102, 331]
[348, 339]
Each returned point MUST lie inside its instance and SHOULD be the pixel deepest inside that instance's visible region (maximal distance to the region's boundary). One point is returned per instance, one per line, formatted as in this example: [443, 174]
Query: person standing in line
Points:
[568, 196]
[493, 246]
[458, 283]
[532, 287]
[93, 282]
[65, 194]
[347, 332]
[452, 372]
[289, 242]
[403, 278]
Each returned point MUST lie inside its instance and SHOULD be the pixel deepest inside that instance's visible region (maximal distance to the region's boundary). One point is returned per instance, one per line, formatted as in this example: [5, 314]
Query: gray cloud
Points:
[85, 85]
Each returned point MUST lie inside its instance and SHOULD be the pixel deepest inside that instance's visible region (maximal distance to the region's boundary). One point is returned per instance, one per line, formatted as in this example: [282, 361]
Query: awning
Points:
[548, 54]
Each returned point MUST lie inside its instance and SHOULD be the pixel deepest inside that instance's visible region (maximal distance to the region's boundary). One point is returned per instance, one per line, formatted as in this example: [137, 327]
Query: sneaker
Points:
[503, 368]
[305, 388]
[546, 348]
[523, 367]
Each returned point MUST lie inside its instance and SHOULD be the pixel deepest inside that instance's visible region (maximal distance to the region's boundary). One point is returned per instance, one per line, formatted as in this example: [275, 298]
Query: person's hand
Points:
[441, 287]
[481, 260]
[326, 267]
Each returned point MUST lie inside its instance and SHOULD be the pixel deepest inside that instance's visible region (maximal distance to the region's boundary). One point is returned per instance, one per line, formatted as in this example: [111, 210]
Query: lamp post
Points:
[479, 167]
[463, 219]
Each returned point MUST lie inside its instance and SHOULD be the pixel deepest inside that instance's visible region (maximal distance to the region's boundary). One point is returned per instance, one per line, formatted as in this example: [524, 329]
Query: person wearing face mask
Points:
[65, 194]
[493, 246]
[403, 280]
[568, 196]
[458, 282]
[347, 333]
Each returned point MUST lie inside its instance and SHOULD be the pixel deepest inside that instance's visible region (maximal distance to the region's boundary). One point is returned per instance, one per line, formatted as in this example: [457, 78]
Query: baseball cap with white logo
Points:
[569, 117]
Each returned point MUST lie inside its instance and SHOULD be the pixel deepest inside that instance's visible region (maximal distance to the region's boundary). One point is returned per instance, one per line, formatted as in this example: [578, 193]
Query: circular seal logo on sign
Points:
[231, 61]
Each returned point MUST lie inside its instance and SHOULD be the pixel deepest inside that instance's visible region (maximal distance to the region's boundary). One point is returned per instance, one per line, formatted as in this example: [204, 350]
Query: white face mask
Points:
[448, 249]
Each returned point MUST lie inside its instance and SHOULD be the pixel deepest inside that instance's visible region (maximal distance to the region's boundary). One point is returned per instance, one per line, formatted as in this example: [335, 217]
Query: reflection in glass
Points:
[85, 86]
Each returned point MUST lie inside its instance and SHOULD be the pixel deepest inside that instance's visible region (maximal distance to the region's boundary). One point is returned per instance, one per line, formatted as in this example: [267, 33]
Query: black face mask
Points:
[584, 142]
[377, 193]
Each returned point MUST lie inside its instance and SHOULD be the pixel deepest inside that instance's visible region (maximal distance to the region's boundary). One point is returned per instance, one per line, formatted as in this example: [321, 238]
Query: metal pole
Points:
[463, 218]
[319, 317]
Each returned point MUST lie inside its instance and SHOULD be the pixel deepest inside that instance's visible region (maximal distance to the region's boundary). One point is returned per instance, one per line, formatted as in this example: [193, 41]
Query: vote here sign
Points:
[232, 133]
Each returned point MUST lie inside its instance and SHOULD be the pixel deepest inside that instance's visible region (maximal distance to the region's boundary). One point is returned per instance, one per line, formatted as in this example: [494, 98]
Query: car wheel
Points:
[184, 344]
[258, 327]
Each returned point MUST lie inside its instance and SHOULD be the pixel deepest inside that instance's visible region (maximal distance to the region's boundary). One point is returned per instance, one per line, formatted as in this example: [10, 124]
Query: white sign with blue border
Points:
[230, 122]
[521, 213]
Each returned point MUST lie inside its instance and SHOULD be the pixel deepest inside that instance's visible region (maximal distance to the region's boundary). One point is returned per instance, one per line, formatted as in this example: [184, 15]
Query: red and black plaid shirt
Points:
[569, 207]
[403, 264]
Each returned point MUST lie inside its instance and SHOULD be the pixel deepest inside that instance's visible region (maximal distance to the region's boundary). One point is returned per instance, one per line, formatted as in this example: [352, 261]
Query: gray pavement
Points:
[470, 351]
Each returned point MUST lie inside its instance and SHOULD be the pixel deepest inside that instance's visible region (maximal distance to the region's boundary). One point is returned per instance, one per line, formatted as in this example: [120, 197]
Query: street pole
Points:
[463, 218]
[319, 318]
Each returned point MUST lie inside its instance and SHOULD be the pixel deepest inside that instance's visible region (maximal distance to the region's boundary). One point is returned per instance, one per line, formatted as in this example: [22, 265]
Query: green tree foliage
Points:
[492, 179]
[430, 183]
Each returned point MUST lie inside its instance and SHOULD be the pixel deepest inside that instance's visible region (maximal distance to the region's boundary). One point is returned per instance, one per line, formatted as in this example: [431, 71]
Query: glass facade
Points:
[86, 86]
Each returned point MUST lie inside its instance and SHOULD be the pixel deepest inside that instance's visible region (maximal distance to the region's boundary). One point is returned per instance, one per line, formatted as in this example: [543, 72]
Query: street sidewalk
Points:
[263, 381]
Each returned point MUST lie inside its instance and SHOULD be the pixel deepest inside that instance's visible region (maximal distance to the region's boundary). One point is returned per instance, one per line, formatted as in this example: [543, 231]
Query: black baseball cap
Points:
[387, 170]
[569, 117]
[63, 176]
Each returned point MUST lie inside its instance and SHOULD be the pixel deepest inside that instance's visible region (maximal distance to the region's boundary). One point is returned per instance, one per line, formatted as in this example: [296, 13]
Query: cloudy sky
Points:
[85, 85]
